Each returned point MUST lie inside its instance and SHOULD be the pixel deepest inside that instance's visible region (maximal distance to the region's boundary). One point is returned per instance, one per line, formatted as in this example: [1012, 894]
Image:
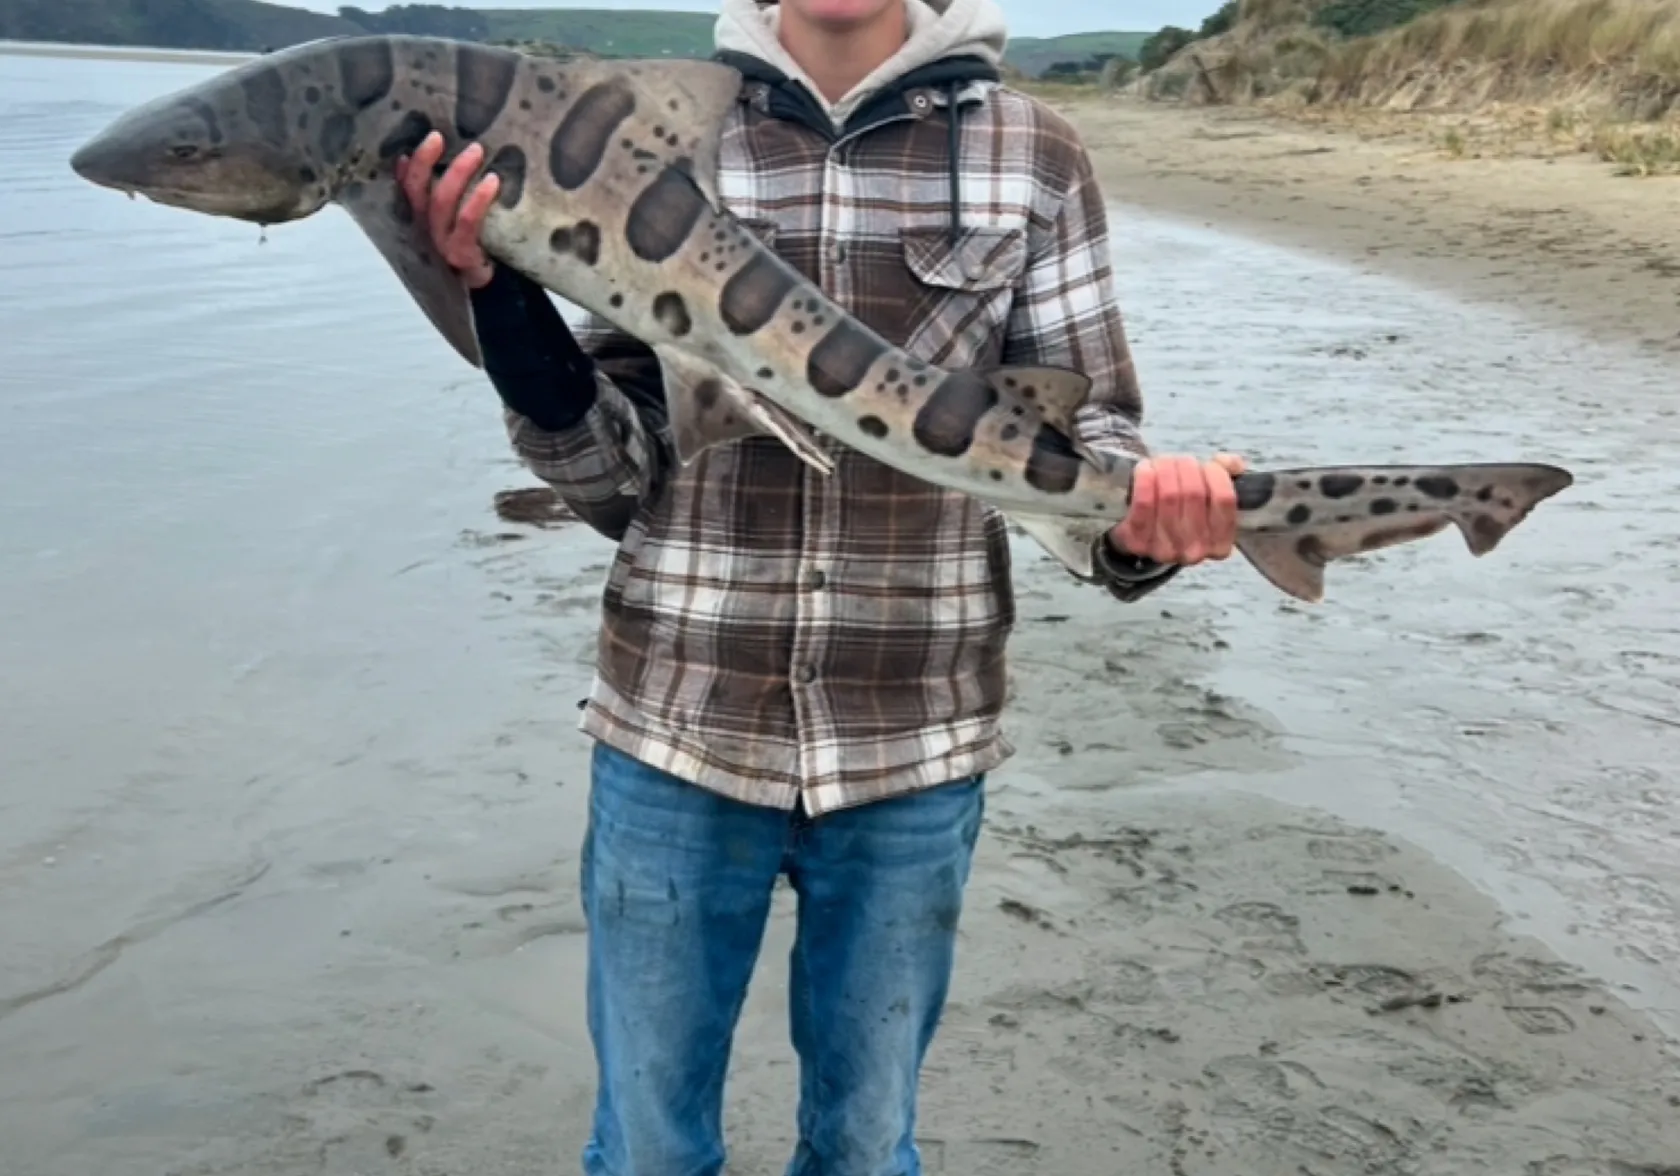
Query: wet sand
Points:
[290, 790]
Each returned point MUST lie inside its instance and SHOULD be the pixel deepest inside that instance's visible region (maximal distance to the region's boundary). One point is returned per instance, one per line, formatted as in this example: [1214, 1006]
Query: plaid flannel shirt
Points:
[779, 636]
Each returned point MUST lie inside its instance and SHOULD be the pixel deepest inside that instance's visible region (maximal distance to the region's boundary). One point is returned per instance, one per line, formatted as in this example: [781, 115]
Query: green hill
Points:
[166, 24]
[1033, 55]
[607, 32]
[252, 25]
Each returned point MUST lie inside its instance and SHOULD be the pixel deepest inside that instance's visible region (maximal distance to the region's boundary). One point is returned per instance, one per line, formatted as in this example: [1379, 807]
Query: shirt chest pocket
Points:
[961, 290]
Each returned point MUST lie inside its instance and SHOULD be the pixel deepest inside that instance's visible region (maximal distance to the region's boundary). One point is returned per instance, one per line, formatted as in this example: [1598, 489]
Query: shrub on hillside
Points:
[1158, 49]
[1361, 18]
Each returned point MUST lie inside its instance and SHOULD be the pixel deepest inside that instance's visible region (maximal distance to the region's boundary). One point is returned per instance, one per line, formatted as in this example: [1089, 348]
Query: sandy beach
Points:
[266, 926]
[1559, 235]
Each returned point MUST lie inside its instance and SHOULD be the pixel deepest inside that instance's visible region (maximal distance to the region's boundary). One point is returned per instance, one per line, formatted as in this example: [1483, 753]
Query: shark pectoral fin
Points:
[1056, 392]
[1072, 541]
[382, 214]
[707, 408]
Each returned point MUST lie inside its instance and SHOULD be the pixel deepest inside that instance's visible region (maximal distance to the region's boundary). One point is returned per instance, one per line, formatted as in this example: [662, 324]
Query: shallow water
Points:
[281, 711]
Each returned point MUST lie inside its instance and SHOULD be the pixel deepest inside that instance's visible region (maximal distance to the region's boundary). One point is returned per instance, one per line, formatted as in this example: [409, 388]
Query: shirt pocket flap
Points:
[981, 258]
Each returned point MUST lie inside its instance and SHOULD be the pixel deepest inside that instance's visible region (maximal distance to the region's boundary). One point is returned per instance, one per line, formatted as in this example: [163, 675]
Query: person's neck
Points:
[838, 61]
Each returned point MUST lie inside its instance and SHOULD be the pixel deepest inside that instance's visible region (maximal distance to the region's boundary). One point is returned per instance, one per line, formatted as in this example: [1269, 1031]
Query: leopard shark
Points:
[608, 198]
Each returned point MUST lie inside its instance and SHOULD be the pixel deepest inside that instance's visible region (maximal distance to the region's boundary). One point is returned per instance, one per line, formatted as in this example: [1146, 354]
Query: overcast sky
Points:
[1028, 18]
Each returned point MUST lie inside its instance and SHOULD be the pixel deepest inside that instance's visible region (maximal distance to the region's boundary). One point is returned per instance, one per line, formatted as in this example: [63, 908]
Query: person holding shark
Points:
[804, 674]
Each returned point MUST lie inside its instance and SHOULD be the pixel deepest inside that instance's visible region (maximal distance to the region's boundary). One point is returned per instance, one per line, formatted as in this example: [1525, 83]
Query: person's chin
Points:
[841, 15]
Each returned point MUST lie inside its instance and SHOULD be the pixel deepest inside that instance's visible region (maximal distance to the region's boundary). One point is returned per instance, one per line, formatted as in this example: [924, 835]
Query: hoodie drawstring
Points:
[955, 150]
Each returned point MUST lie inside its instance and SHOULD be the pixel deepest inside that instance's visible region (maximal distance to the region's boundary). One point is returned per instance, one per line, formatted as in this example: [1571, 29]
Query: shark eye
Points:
[183, 151]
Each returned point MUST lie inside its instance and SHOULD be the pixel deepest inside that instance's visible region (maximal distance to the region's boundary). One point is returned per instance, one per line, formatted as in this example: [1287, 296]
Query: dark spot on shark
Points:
[842, 358]
[1340, 485]
[920, 381]
[672, 314]
[1485, 494]
[663, 215]
[337, 131]
[1437, 486]
[1255, 490]
[366, 70]
[873, 426]
[765, 373]
[752, 295]
[997, 475]
[580, 141]
[1053, 466]
[582, 241]
[545, 84]
[617, 300]
[405, 137]
[484, 80]
[206, 115]
[265, 105]
[509, 163]
[1392, 535]
[947, 420]
[312, 94]
[303, 121]
[708, 392]
[1010, 431]
[1298, 514]
[307, 174]
[1382, 506]
[672, 140]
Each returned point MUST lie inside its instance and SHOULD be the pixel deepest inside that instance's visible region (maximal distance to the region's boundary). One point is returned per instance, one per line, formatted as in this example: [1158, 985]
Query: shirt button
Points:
[836, 252]
[815, 579]
[805, 674]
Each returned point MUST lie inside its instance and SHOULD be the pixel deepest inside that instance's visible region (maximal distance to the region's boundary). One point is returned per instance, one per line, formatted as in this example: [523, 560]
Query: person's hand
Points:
[1183, 510]
[452, 221]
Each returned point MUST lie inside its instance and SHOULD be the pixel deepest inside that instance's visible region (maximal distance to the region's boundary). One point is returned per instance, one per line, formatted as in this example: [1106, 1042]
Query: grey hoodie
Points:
[938, 28]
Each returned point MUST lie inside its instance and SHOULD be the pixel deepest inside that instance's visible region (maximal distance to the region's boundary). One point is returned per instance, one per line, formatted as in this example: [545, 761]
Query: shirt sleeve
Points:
[583, 410]
[1065, 315]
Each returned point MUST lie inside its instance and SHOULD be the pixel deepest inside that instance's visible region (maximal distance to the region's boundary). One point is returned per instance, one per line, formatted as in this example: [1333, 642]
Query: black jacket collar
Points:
[789, 99]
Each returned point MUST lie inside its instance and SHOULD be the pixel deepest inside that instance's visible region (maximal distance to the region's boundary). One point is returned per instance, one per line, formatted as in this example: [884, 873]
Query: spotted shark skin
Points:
[608, 198]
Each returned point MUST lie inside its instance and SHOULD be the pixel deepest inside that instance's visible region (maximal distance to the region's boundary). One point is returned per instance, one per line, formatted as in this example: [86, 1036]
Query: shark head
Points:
[199, 149]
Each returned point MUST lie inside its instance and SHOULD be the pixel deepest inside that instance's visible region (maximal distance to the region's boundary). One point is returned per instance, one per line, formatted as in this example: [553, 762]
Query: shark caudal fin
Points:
[1331, 514]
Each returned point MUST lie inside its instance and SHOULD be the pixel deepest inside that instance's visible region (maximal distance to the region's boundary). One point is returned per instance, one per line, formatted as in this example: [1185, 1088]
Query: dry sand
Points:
[1564, 237]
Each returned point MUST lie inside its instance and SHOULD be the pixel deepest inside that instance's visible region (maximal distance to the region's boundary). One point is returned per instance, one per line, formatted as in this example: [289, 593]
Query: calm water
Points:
[258, 643]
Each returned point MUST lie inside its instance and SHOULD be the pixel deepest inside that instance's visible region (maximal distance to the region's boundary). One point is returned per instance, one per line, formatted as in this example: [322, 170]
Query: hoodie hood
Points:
[938, 29]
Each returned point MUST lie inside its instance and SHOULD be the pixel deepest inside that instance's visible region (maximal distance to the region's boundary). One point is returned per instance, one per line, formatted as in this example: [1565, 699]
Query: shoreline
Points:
[1560, 238]
[78, 52]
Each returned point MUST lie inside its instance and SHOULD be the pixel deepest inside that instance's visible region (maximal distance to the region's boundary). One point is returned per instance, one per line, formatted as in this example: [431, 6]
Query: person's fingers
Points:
[417, 174]
[1231, 463]
[467, 225]
[1136, 532]
[1222, 510]
[1182, 508]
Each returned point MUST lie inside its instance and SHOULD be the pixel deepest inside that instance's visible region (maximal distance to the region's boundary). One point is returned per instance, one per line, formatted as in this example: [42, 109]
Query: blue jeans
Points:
[676, 890]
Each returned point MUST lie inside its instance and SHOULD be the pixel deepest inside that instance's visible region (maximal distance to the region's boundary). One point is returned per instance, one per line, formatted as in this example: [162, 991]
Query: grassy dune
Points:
[1496, 75]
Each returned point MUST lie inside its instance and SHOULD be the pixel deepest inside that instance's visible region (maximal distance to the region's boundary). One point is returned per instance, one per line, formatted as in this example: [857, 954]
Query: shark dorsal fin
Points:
[1057, 393]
